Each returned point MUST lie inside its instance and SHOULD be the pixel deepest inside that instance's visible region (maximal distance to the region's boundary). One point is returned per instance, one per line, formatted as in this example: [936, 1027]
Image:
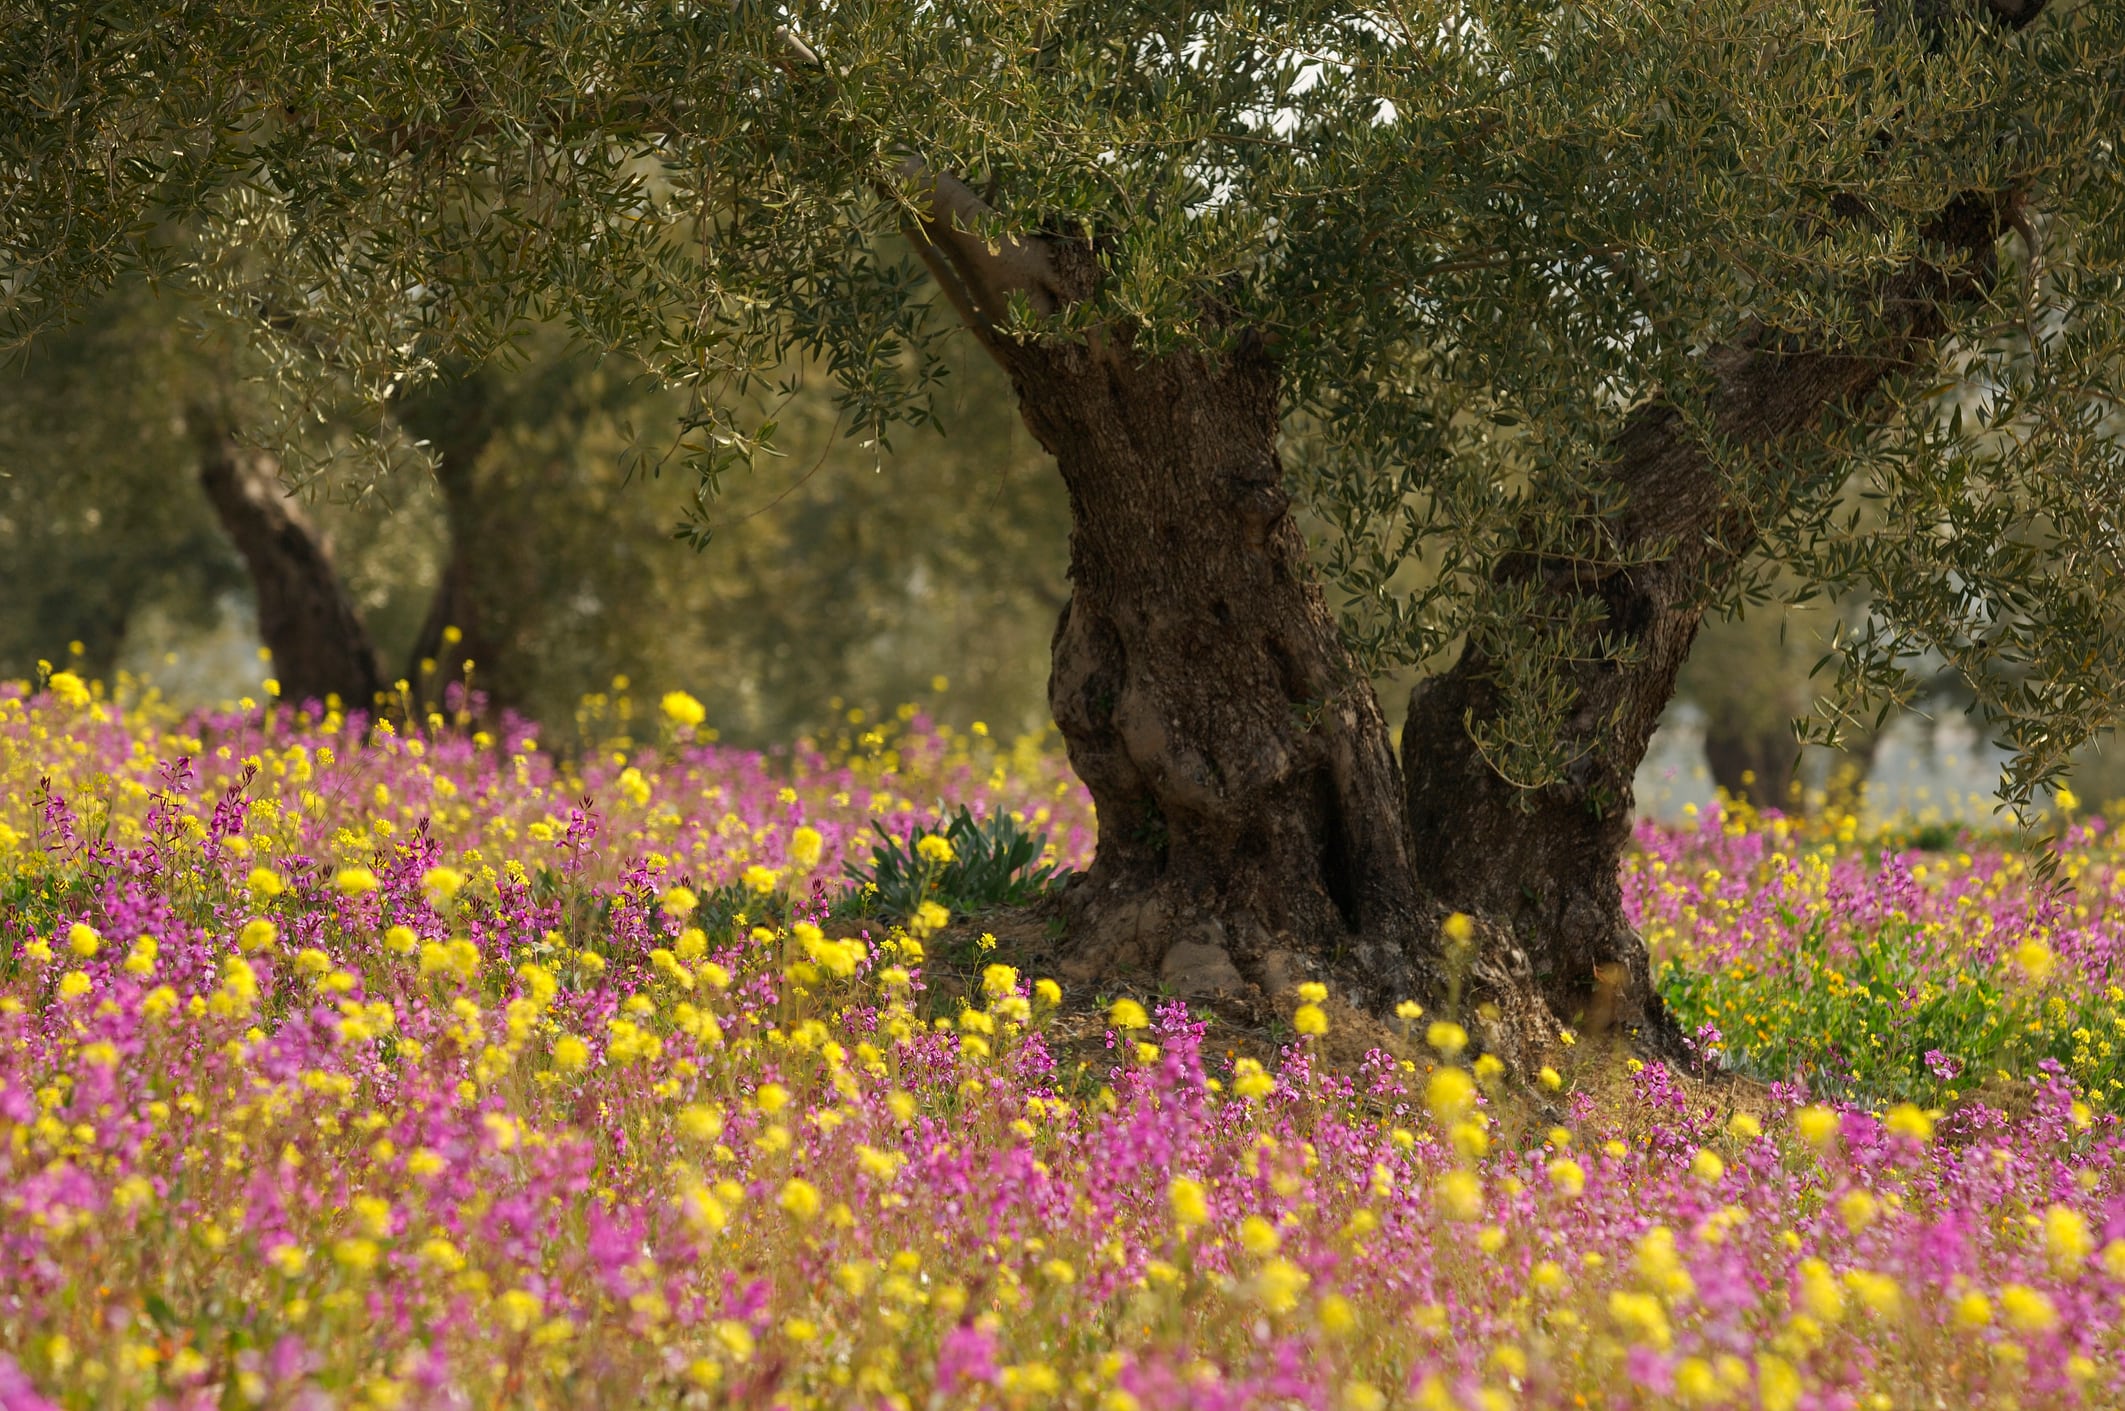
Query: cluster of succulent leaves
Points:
[996, 861]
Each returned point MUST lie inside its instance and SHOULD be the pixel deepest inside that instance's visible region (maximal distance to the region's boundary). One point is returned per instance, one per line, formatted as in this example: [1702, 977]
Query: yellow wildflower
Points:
[1641, 1318]
[1778, 1383]
[1818, 1126]
[2026, 1309]
[1189, 1202]
[2067, 1238]
[1858, 1208]
[1460, 1195]
[1250, 1079]
[1906, 1120]
[1450, 1094]
[1819, 1292]
[1278, 1284]
[800, 1198]
[683, 710]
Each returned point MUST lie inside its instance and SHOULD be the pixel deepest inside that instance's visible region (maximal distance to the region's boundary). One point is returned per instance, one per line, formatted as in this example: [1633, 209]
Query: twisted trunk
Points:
[321, 649]
[1250, 822]
[1543, 861]
[1250, 834]
[1249, 831]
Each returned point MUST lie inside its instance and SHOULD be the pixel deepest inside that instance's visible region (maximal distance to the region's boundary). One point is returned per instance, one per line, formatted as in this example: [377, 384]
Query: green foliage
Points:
[1855, 1010]
[839, 570]
[100, 513]
[106, 538]
[1481, 234]
[993, 862]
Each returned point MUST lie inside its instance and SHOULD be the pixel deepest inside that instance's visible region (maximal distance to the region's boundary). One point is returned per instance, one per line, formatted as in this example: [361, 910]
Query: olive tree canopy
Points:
[1584, 317]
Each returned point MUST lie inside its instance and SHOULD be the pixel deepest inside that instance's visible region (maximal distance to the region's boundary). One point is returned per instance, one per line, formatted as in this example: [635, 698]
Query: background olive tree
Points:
[847, 572]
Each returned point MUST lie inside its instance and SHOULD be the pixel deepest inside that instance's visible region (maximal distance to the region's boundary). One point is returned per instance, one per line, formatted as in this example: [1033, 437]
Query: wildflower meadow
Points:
[405, 1064]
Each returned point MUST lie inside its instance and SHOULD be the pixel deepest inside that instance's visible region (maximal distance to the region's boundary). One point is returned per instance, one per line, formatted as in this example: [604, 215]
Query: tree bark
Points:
[1543, 861]
[1240, 766]
[457, 420]
[1252, 833]
[1245, 782]
[321, 649]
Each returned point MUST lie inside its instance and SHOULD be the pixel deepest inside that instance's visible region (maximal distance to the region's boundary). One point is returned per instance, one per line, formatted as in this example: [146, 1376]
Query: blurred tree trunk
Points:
[321, 649]
[456, 419]
[102, 636]
[1757, 767]
[1852, 767]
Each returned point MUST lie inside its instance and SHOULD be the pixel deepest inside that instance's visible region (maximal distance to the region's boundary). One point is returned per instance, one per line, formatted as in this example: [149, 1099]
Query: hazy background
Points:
[839, 574]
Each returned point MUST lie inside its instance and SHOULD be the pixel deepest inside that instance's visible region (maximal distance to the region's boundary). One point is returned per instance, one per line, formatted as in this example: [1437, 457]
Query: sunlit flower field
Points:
[420, 1067]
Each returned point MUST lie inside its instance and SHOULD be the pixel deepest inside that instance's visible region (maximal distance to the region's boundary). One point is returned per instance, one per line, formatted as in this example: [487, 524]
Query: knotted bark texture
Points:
[1544, 861]
[1244, 779]
[1254, 829]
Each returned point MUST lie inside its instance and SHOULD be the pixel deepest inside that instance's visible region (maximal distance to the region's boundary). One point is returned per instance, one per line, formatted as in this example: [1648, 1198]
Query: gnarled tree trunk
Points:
[1244, 778]
[1543, 861]
[1245, 790]
[321, 649]
[1251, 832]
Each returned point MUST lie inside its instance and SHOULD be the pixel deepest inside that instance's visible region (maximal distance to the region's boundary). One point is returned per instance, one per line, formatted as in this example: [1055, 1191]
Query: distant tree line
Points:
[525, 534]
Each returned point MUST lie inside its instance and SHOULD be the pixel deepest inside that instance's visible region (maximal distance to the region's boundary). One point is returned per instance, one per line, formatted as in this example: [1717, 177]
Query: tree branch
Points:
[980, 278]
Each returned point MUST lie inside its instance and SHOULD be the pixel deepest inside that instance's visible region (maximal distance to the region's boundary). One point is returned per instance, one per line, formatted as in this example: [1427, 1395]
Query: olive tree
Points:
[1582, 318]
